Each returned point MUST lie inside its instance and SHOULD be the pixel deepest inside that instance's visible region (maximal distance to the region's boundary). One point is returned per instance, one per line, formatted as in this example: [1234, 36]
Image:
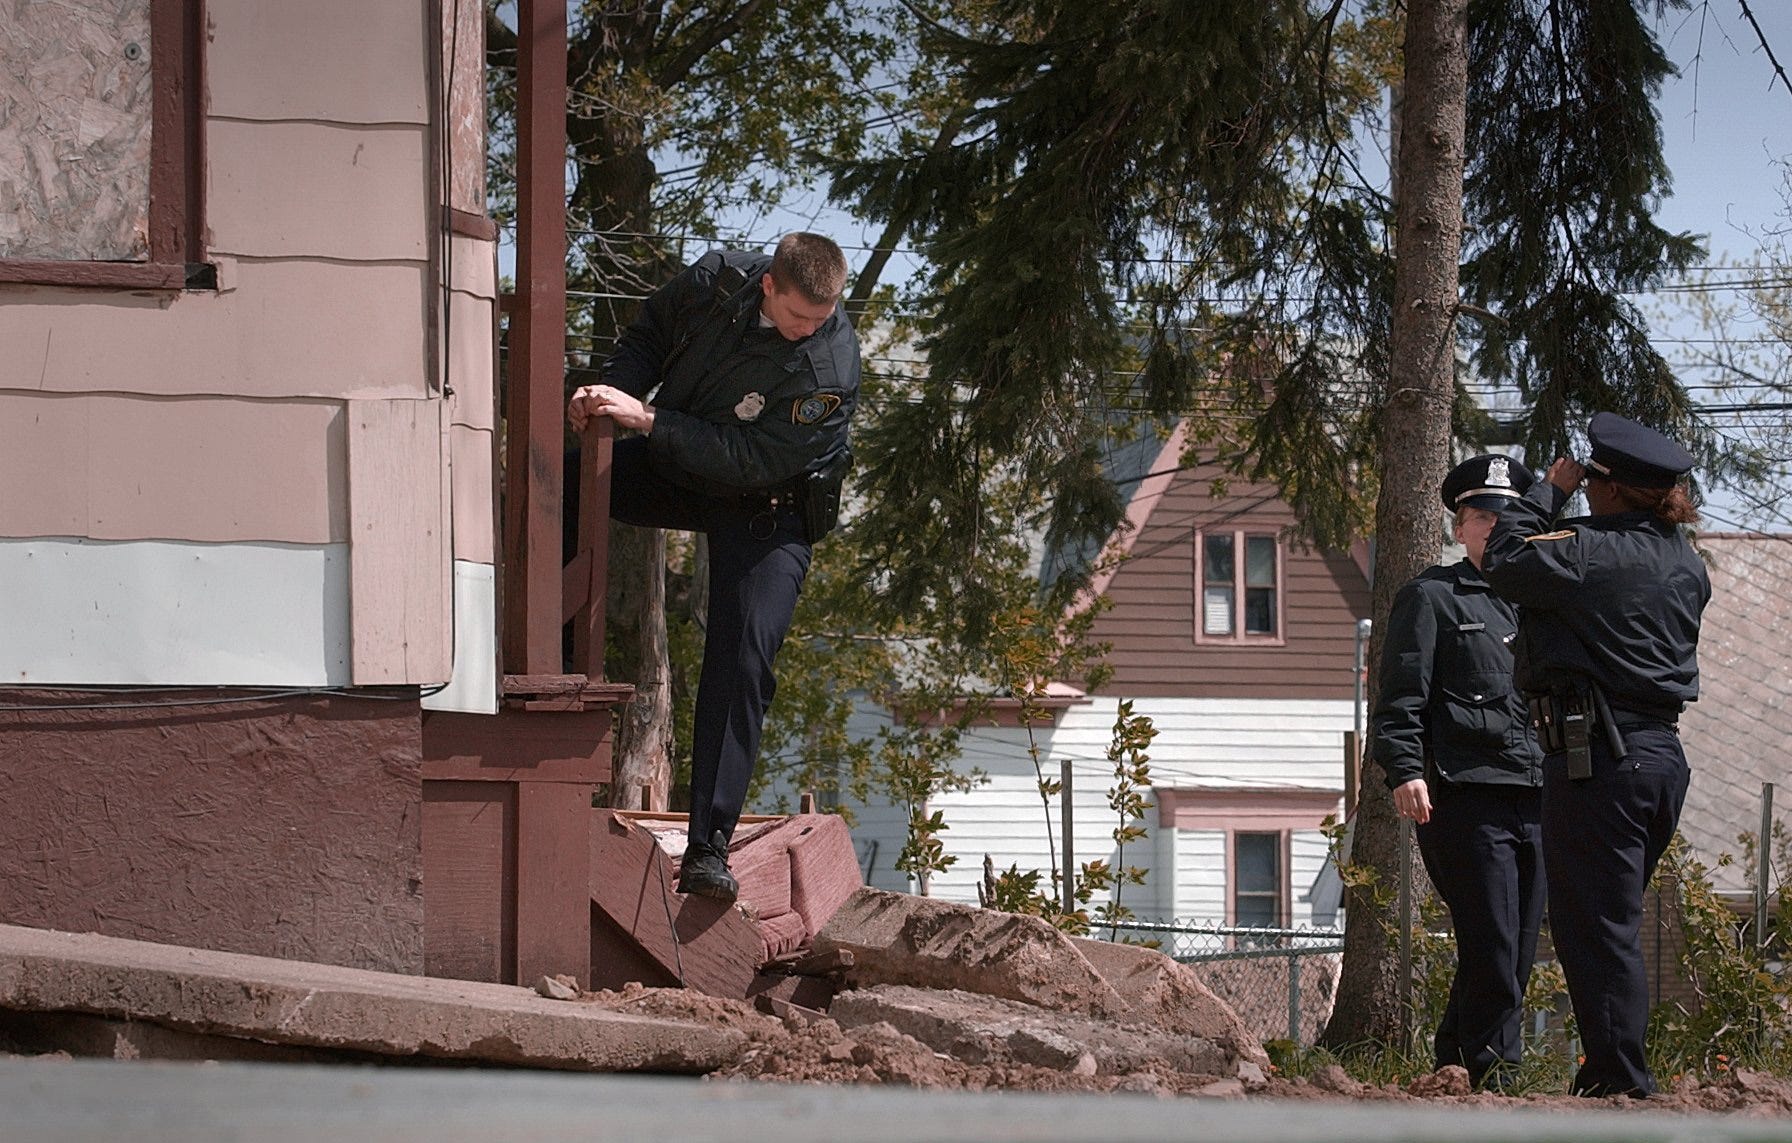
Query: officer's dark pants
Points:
[1601, 839]
[1483, 848]
[754, 580]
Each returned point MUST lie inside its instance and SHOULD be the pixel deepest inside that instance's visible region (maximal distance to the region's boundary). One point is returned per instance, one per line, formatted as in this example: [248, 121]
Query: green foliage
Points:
[1015, 891]
[1126, 797]
[1744, 1008]
[1077, 229]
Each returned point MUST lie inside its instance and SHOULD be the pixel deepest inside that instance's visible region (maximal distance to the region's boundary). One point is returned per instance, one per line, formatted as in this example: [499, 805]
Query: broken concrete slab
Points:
[1170, 995]
[324, 1006]
[899, 939]
[982, 1029]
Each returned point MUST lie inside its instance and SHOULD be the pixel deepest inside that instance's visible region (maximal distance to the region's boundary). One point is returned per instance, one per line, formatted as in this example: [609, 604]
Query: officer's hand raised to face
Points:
[1566, 474]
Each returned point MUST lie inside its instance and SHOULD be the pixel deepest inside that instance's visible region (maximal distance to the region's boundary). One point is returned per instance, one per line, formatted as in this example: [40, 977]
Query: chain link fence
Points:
[1281, 982]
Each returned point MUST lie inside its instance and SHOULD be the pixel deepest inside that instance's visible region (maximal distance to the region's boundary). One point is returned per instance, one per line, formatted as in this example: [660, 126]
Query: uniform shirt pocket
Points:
[1474, 714]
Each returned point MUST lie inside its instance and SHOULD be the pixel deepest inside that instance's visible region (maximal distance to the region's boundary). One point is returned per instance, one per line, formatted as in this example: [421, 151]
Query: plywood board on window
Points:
[112, 467]
[93, 612]
[398, 547]
[289, 328]
[345, 61]
[75, 117]
[324, 190]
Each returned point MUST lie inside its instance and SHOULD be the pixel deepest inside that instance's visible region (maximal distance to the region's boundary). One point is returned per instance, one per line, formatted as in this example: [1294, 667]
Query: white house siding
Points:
[1213, 744]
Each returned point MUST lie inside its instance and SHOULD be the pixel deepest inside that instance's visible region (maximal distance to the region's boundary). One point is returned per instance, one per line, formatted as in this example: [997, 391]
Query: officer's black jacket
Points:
[738, 408]
[1445, 691]
[1612, 600]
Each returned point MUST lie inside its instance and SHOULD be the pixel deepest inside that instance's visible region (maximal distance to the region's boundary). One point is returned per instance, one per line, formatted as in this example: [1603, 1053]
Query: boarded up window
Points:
[75, 130]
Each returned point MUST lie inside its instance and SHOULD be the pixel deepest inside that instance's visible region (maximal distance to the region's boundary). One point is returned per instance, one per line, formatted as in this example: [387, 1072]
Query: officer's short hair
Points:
[812, 263]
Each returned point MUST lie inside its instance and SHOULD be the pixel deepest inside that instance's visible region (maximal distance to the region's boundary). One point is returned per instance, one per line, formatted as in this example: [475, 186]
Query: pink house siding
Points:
[282, 482]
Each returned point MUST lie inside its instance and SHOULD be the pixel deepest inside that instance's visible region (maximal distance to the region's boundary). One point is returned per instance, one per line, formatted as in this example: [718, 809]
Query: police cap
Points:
[1633, 454]
[1485, 481]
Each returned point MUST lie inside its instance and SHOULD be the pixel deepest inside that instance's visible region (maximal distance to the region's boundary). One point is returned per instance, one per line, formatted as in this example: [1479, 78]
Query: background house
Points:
[1240, 644]
[1738, 736]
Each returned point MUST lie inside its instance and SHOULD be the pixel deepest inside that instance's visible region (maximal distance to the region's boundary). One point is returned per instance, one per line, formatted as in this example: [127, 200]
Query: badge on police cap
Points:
[814, 408]
[750, 407]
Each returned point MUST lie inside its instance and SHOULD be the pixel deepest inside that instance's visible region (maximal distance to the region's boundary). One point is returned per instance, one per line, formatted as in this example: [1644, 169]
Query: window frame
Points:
[1284, 850]
[176, 173]
[1239, 637]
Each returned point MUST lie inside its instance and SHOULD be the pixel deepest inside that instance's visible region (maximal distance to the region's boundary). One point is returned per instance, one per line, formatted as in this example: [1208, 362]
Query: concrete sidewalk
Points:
[47, 1101]
[263, 1000]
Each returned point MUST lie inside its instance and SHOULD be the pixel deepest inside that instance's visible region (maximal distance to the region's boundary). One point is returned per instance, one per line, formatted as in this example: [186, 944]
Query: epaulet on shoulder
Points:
[1563, 534]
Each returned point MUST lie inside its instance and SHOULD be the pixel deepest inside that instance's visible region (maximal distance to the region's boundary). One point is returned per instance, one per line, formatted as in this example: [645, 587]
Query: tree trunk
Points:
[1415, 456]
[643, 759]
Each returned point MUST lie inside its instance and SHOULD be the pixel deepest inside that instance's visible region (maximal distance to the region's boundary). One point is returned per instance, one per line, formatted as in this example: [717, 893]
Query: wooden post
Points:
[534, 449]
[1067, 815]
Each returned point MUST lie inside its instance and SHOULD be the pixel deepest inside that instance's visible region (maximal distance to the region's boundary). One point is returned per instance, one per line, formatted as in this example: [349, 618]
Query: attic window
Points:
[1238, 587]
[99, 150]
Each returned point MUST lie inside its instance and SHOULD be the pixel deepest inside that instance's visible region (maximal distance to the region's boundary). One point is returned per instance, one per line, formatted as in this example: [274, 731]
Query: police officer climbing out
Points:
[1607, 654]
[757, 375]
[1451, 732]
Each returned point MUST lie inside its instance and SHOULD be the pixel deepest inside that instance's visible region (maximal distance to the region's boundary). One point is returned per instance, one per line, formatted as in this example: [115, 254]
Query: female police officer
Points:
[1451, 732]
[1607, 653]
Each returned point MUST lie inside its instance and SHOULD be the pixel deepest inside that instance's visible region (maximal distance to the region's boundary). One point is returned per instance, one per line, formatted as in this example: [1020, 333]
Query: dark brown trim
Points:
[469, 225]
[176, 169]
[176, 161]
[112, 275]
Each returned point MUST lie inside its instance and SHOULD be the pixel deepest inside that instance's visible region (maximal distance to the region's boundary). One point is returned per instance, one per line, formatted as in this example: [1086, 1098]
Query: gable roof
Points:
[1739, 734]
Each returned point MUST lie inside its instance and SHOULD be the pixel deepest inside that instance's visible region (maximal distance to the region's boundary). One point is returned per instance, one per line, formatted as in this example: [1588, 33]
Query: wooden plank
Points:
[261, 339]
[95, 275]
[705, 943]
[553, 876]
[343, 61]
[178, 152]
[532, 544]
[586, 599]
[473, 493]
[462, 40]
[399, 562]
[512, 746]
[322, 190]
[130, 468]
[469, 880]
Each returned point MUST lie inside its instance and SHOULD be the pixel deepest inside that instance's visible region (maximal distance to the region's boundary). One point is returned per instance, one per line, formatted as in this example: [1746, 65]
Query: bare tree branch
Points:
[1766, 47]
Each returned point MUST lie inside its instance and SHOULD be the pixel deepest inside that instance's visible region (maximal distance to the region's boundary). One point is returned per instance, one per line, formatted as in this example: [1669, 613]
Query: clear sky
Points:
[1726, 131]
[1726, 120]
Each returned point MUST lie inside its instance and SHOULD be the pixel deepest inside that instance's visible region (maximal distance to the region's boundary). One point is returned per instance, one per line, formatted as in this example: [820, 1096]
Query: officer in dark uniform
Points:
[1607, 655]
[1452, 734]
[757, 375]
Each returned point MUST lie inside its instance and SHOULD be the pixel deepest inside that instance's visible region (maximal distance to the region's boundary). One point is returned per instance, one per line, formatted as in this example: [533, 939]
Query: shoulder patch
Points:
[1564, 534]
[814, 408]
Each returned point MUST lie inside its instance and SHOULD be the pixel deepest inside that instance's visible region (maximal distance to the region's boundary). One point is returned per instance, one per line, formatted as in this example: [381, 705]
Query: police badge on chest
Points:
[750, 407]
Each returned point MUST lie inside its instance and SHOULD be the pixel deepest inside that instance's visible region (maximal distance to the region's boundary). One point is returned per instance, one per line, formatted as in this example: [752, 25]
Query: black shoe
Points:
[704, 870]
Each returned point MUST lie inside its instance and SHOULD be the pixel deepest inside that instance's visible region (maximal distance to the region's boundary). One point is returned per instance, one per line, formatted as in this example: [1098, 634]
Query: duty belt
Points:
[1564, 722]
